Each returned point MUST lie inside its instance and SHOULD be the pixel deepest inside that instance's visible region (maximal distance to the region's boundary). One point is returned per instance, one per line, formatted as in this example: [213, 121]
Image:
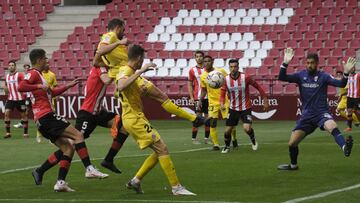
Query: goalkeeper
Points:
[313, 85]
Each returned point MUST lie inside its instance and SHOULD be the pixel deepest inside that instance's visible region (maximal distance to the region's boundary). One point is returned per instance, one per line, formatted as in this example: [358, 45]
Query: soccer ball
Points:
[215, 79]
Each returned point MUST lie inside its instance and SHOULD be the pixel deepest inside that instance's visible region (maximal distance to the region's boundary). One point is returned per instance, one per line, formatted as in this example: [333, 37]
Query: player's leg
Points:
[296, 137]
[227, 137]
[156, 94]
[214, 111]
[194, 129]
[345, 145]
[349, 109]
[9, 106]
[168, 167]
[65, 161]
[205, 110]
[231, 123]
[119, 135]
[81, 149]
[247, 127]
[24, 119]
[52, 160]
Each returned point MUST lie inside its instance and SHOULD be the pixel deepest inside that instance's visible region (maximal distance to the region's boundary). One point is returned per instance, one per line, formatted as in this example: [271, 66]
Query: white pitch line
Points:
[323, 194]
[129, 156]
[112, 200]
[140, 155]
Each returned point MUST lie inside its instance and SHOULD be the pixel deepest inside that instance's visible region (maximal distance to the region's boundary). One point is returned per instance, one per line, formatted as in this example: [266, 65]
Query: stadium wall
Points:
[281, 107]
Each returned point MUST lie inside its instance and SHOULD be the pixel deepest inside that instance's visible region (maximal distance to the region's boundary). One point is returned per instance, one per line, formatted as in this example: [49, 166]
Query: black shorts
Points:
[234, 117]
[87, 122]
[52, 126]
[353, 103]
[204, 106]
[19, 105]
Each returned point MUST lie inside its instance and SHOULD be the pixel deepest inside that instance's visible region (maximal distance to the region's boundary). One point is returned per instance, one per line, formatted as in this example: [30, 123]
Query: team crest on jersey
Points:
[305, 78]
[27, 76]
[316, 78]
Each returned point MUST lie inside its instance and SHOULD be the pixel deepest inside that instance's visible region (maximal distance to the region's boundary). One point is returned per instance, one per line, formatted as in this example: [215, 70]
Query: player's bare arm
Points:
[125, 82]
[106, 79]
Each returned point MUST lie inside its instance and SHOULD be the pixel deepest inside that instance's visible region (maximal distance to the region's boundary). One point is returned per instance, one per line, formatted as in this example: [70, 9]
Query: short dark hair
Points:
[208, 56]
[36, 54]
[26, 64]
[234, 61]
[12, 61]
[135, 51]
[115, 22]
[313, 56]
[199, 52]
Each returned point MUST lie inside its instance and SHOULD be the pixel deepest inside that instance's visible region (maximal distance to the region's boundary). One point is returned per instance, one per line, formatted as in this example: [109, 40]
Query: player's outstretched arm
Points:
[349, 67]
[124, 82]
[60, 89]
[288, 56]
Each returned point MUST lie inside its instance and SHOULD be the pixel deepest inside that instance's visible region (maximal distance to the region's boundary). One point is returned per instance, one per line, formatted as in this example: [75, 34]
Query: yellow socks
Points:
[213, 135]
[169, 169]
[148, 164]
[170, 107]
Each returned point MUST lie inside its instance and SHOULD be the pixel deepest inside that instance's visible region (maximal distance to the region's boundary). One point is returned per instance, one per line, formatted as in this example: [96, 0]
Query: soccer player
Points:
[50, 78]
[112, 51]
[194, 92]
[53, 126]
[353, 98]
[214, 100]
[92, 114]
[237, 88]
[315, 110]
[27, 99]
[15, 99]
[342, 99]
[131, 87]
[112, 48]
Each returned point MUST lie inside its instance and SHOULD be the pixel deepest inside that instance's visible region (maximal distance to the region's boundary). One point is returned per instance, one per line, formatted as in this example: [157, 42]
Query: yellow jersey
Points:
[130, 97]
[50, 78]
[213, 94]
[117, 57]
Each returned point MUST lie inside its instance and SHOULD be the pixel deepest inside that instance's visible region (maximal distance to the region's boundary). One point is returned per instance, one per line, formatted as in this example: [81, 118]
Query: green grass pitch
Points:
[242, 175]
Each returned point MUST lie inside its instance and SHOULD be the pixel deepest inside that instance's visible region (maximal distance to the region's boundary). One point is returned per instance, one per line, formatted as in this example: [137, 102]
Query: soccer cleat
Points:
[216, 148]
[38, 139]
[8, 135]
[195, 141]
[181, 190]
[235, 144]
[287, 167]
[26, 136]
[199, 121]
[18, 125]
[347, 129]
[348, 146]
[207, 141]
[225, 150]
[254, 146]
[134, 186]
[357, 124]
[110, 165]
[92, 172]
[62, 186]
[37, 177]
